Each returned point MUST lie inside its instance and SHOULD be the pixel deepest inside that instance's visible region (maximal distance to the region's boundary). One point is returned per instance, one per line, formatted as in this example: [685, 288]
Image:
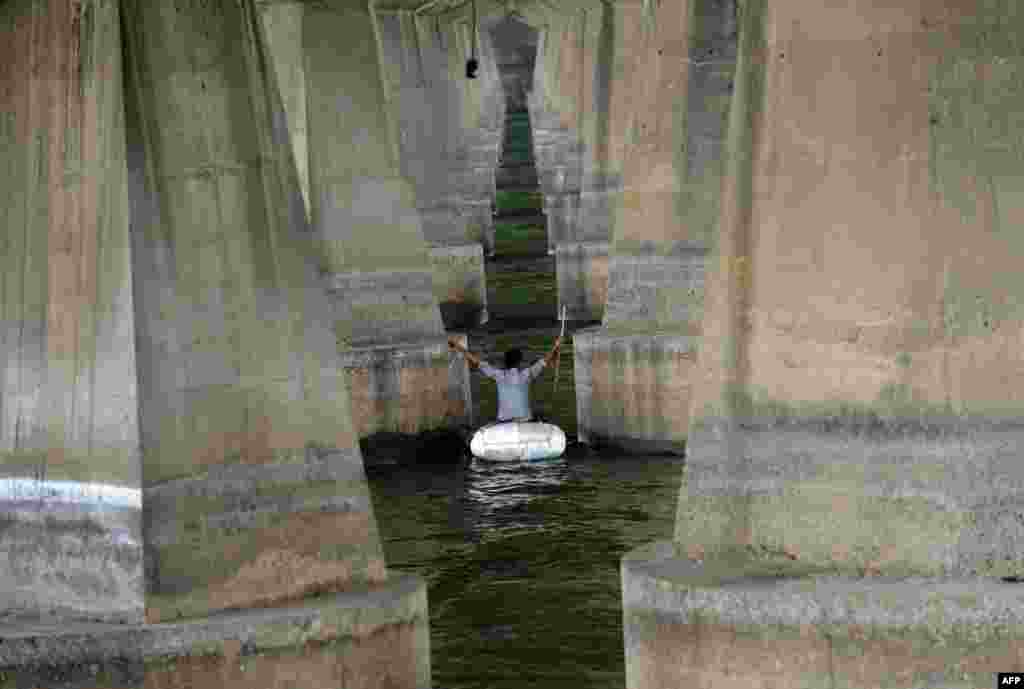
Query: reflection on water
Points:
[522, 561]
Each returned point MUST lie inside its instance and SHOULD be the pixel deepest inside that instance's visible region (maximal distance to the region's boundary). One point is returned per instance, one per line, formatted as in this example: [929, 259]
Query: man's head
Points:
[513, 358]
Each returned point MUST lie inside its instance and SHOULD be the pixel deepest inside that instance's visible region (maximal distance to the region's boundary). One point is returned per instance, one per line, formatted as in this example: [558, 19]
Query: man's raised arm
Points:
[550, 356]
[470, 356]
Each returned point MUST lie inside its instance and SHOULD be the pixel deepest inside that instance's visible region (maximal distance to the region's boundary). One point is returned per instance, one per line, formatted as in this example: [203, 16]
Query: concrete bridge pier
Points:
[582, 257]
[386, 317]
[481, 106]
[633, 373]
[564, 61]
[850, 513]
[184, 503]
[416, 77]
[557, 160]
[486, 118]
[558, 157]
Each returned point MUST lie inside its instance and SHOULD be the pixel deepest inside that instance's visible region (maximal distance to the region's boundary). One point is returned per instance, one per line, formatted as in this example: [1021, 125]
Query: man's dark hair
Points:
[513, 358]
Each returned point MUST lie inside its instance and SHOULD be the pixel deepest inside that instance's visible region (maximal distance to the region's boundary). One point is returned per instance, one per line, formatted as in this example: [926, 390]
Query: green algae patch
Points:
[976, 313]
[508, 201]
[520, 239]
[652, 326]
[102, 465]
[730, 564]
[897, 406]
[805, 517]
[533, 288]
[976, 107]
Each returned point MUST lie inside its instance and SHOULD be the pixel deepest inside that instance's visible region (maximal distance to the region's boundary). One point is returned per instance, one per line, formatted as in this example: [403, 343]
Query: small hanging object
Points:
[472, 64]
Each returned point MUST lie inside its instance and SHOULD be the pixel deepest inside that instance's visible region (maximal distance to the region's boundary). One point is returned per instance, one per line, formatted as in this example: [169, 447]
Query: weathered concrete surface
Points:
[281, 23]
[372, 636]
[558, 147]
[457, 258]
[70, 464]
[636, 387]
[556, 157]
[460, 284]
[583, 290]
[406, 390]
[755, 622]
[481, 103]
[902, 366]
[254, 491]
[670, 171]
[364, 210]
[582, 269]
[852, 461]
[381, 280]
[599, 182]
[933, 498]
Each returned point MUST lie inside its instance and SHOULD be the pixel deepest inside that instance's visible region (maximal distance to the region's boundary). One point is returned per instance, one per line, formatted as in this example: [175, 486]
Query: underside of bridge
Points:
[235, 237]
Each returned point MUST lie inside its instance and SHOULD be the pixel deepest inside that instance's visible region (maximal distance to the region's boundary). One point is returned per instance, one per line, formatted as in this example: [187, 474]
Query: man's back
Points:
[513, 388]
[513, 382]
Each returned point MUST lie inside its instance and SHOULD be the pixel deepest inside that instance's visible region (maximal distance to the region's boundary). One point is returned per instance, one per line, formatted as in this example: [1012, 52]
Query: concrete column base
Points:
[729, 622]
[408, 388]
[582, 272]
[372, 637]
[460, 284]
[561, 209]
[633, 391]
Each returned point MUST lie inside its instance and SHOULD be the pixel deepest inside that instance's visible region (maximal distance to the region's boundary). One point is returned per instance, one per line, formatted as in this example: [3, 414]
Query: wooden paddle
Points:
[558, 357]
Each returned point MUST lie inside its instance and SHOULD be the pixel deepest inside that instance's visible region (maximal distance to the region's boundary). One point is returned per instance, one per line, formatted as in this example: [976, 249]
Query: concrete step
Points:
[519, 187]
[529, 217]
[521, 263]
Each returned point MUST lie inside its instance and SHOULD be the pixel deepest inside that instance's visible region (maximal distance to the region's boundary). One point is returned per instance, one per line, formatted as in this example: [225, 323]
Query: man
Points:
[513, 382]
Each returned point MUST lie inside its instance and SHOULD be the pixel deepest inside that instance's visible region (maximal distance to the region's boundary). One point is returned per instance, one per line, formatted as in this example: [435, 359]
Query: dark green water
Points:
[522, 561]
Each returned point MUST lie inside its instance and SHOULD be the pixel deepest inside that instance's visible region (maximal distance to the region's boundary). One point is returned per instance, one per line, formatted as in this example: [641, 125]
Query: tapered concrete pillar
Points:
[582, 252]
[70, 466]
[207, 477]
[852, 491]
[490, 128]
[557, 150]
[457, 258]
[281, 22]
[633, 374]
[481, 113]
[365, 214]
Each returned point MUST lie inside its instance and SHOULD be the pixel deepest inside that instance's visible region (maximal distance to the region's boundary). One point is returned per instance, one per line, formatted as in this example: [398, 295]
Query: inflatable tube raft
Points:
[517, 441]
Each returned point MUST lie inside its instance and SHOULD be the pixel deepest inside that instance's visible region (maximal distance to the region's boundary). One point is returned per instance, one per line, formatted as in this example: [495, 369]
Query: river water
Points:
[522, 561]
